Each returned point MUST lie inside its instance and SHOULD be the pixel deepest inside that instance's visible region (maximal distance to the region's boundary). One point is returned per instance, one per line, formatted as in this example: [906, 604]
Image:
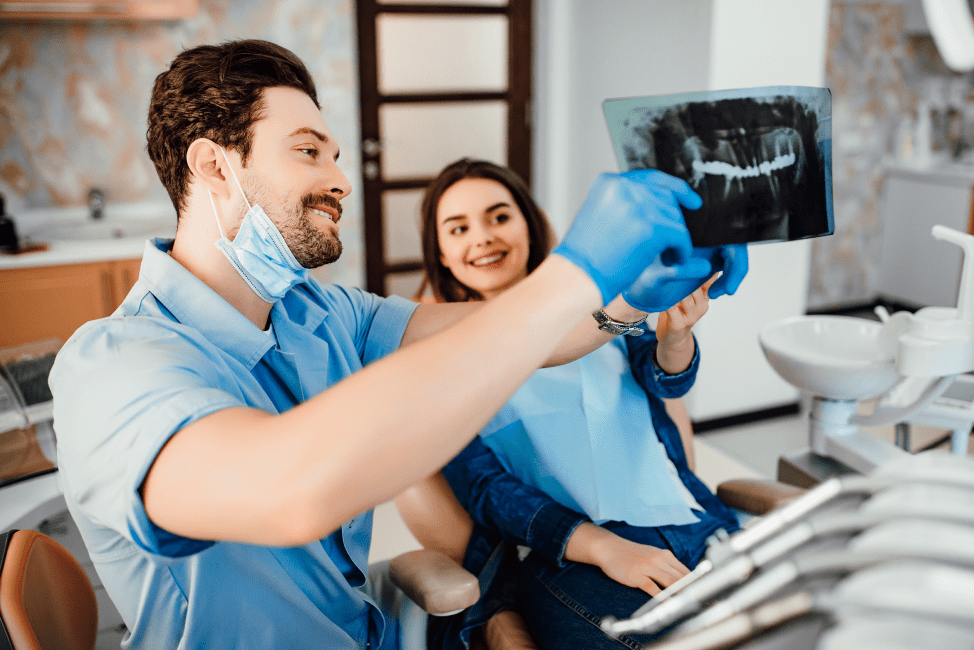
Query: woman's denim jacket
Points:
[504, 509]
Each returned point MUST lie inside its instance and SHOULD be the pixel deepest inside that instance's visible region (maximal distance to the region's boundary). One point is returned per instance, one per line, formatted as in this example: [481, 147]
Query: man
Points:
[220, 445]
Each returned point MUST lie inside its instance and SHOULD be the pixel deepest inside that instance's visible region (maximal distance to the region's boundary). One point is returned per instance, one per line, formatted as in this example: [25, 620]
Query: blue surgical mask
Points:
[258, 252]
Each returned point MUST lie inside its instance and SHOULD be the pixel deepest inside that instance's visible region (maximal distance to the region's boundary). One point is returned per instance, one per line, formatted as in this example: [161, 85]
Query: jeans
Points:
[563, 606]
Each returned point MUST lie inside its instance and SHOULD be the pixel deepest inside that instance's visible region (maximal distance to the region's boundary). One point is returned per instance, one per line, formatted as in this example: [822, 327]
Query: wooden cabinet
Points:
[53, 301]
[99, 9]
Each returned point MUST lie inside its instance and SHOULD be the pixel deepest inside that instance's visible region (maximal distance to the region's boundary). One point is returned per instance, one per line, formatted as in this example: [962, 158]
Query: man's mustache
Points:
[323, 199]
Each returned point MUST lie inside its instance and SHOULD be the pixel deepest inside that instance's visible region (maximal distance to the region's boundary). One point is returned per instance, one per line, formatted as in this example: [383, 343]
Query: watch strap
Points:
[612, 326]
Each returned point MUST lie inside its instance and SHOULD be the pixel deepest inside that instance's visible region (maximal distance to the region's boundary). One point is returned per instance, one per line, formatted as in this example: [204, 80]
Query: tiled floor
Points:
[759, 444]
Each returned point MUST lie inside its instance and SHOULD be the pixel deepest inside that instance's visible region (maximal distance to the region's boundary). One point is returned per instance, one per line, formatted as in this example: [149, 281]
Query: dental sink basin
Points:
[836, 357]
[107, 229]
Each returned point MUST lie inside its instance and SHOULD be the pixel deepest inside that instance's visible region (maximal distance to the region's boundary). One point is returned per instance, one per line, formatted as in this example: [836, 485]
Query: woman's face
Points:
[483, 235]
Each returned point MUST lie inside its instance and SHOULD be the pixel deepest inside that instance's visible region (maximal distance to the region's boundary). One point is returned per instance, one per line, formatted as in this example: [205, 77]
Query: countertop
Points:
[141, 220]
[78, 252]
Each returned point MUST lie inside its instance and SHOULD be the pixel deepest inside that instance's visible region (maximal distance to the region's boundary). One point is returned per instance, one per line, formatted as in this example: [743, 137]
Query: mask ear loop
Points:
[216, 215]
[234, 174]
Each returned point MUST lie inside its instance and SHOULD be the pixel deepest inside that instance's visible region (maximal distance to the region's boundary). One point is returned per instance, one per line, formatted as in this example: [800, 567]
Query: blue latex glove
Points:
[661, 286]
[627, 221]
[734, 269]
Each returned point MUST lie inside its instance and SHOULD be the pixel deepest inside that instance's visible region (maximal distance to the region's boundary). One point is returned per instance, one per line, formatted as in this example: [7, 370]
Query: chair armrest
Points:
[434, 581]
[756, 496]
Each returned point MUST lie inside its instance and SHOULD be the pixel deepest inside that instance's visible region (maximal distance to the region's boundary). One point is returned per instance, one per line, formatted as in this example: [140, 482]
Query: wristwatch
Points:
[607, 324]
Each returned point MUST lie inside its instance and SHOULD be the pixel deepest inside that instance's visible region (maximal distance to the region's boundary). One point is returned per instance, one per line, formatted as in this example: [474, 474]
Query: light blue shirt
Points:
[173, 353]
[582, 433]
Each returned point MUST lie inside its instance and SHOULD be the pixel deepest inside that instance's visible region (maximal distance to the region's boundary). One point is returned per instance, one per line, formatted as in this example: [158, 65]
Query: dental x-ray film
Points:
[761, 158]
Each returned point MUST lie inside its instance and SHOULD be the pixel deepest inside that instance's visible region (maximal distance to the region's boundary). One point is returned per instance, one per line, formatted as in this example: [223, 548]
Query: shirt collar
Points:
[196, 305]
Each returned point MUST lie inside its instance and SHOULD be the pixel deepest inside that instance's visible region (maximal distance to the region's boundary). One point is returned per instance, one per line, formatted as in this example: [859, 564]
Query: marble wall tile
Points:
[74, 98]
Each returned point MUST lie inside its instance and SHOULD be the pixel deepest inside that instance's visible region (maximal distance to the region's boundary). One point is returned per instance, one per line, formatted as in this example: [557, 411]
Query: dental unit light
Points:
[952, 28]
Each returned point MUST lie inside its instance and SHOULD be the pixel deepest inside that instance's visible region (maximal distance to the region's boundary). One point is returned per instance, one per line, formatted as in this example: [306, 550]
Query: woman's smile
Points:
[482, 235]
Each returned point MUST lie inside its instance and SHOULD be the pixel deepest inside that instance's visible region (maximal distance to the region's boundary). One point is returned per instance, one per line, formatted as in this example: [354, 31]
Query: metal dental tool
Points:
[895, 540]
[925, 600]
[907, 488]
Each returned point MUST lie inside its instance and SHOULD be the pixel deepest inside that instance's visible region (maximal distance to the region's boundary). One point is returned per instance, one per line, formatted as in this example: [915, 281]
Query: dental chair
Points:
[46, 599]
[434, 579]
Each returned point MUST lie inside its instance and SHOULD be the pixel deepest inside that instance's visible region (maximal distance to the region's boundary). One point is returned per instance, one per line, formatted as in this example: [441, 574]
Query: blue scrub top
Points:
[174, 352]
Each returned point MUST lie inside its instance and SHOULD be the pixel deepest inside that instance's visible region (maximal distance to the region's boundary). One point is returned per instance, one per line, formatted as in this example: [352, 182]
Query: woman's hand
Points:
[675, 346]
[635, 565]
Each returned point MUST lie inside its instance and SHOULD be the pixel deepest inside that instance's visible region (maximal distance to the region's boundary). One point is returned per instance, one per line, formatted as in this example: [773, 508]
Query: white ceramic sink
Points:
[837, 357]
[107, 229]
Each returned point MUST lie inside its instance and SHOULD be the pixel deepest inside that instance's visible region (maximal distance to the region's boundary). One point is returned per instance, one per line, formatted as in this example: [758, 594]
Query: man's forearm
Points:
[587, 336]
[428, 320]
[293, 478]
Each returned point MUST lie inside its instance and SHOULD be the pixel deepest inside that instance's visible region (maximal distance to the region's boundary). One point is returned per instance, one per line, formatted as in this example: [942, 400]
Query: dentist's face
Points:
[483, 235]
[292, 172]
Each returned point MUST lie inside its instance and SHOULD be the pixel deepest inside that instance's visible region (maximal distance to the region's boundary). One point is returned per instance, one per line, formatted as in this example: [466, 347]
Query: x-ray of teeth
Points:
[760, 158]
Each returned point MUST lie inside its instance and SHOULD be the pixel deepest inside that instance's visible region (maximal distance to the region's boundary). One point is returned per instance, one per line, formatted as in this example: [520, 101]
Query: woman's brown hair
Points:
[446, 288]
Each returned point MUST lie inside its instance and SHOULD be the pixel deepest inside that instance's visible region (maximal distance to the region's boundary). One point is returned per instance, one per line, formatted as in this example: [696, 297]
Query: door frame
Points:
[517, 96]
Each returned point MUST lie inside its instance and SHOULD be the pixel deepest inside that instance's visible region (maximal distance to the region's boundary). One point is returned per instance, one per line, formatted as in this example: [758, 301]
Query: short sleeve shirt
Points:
[172, 353]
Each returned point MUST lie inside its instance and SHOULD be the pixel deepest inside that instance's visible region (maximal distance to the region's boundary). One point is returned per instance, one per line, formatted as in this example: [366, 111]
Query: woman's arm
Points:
[665, 362]
[499, 501]
[524, 515]
[629, 563]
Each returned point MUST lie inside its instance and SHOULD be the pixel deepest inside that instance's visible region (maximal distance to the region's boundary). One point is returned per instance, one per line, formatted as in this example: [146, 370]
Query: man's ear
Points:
[208, 167]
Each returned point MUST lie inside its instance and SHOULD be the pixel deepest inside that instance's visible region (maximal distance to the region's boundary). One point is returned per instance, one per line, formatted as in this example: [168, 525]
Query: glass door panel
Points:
[405, 284]
[445, 53]
[401, 239]
[420, 139]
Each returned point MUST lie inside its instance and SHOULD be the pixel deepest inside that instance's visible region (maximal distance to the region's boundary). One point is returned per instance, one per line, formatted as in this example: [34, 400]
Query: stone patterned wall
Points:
[877, 74]
[74, 97]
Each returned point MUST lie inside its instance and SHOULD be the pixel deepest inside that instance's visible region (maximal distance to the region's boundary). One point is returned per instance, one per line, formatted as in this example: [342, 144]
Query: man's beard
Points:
[310, 246]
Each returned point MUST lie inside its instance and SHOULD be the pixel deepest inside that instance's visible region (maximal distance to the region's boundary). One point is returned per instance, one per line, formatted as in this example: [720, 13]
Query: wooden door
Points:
[438, 81]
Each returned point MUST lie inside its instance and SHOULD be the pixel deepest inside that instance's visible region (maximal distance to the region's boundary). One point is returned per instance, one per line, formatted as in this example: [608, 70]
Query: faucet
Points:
[96, 203]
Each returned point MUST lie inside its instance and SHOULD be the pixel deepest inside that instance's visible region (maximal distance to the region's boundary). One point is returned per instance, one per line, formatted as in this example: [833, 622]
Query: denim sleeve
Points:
[497, 499]
[642, 360]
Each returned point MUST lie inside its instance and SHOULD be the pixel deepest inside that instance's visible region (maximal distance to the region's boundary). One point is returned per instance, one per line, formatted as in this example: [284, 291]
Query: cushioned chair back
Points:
[46, 599]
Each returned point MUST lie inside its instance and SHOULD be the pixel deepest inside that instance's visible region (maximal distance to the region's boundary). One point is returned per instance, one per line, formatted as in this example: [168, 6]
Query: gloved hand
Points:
[627, 221]
[733, 263]
[662, 285]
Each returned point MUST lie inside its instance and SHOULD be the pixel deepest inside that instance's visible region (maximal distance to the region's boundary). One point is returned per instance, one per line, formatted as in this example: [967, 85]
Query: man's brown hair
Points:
[215, 92]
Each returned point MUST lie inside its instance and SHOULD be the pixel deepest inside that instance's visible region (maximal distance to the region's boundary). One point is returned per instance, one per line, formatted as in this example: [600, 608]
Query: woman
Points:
[582, 466]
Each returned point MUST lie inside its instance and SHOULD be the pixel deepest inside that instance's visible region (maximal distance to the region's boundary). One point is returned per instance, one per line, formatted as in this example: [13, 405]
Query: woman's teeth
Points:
[492, 259]
[323, 214]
